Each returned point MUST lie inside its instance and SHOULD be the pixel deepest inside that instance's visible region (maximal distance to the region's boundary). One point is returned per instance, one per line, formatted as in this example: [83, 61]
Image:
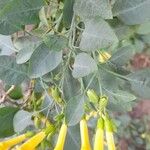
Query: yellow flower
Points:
[33, 142]
[109, 134]
[61, 137]
[99, 136]
[104, 57]
[85, 144]
[5, 145]
[2, 147]
[110, 140]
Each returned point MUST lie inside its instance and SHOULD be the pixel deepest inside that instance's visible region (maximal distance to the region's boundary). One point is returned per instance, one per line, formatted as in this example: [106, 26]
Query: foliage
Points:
[60, 44]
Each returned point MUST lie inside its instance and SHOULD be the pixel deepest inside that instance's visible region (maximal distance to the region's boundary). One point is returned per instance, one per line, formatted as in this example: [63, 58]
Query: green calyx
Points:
[50, 129]
[93, 97]
[109, 124]
[29, 134]
[56, 95]
[103, 102]
[100, 123]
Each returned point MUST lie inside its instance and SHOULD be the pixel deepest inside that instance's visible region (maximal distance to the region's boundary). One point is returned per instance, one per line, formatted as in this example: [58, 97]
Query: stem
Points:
[7, 93]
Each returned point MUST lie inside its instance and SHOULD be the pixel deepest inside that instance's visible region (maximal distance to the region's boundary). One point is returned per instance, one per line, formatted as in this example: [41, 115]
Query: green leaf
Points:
[6, 45]
[56, 42]
[124, 96]
[123, 55]
[6, 120]
[139, 45]
[71, 86]
[132, 12]
[143, 28]
[68, 12]
[26, 46]
[97, 34]
[74, 110]
[43, 60]
[84, 65]
[120, 101]
[22, 120]
[140, 83]
[10, 72]
[16, 13]
[26, 42]
[93, 8]
[123, 32]
[73, 138]
[146, 38]
[108, 81]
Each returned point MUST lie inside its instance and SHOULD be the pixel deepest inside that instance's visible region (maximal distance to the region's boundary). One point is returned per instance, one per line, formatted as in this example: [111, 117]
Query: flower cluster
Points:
[104, 129]
[35, 140]
[31, 143]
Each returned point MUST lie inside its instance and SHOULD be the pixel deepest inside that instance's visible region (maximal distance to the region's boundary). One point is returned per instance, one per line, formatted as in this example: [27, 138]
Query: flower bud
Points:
[103, 102]
[104, 57]
[55, 93]
[93, 97]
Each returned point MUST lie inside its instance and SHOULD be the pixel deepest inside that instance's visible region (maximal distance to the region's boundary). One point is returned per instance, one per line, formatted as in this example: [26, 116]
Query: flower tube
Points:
[109, 135]
[85, 143]
[61, 138]
[99, 136]
[33, 142]
[5, 145]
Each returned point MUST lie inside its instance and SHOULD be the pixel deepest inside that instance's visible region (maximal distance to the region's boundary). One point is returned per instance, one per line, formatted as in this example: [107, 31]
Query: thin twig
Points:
[7, 93]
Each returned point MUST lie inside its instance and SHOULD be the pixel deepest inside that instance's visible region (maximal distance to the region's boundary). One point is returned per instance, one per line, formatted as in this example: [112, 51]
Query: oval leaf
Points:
[6, 121]
[132, 12]
[22, 120]
[11, 72]
[74, 110]
[43, 60]
[83, 66]
[97, 34]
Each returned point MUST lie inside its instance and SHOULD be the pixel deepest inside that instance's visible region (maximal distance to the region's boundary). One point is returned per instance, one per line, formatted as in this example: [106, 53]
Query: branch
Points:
[7, 93]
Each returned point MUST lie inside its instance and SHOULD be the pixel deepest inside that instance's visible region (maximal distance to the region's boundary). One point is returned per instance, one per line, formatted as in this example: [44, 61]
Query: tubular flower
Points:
[104, 56]
[99, 136]
[5, 145]
[61, 138]
[85, 144]
[2, 147]
[109, 135]
[33, 142]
